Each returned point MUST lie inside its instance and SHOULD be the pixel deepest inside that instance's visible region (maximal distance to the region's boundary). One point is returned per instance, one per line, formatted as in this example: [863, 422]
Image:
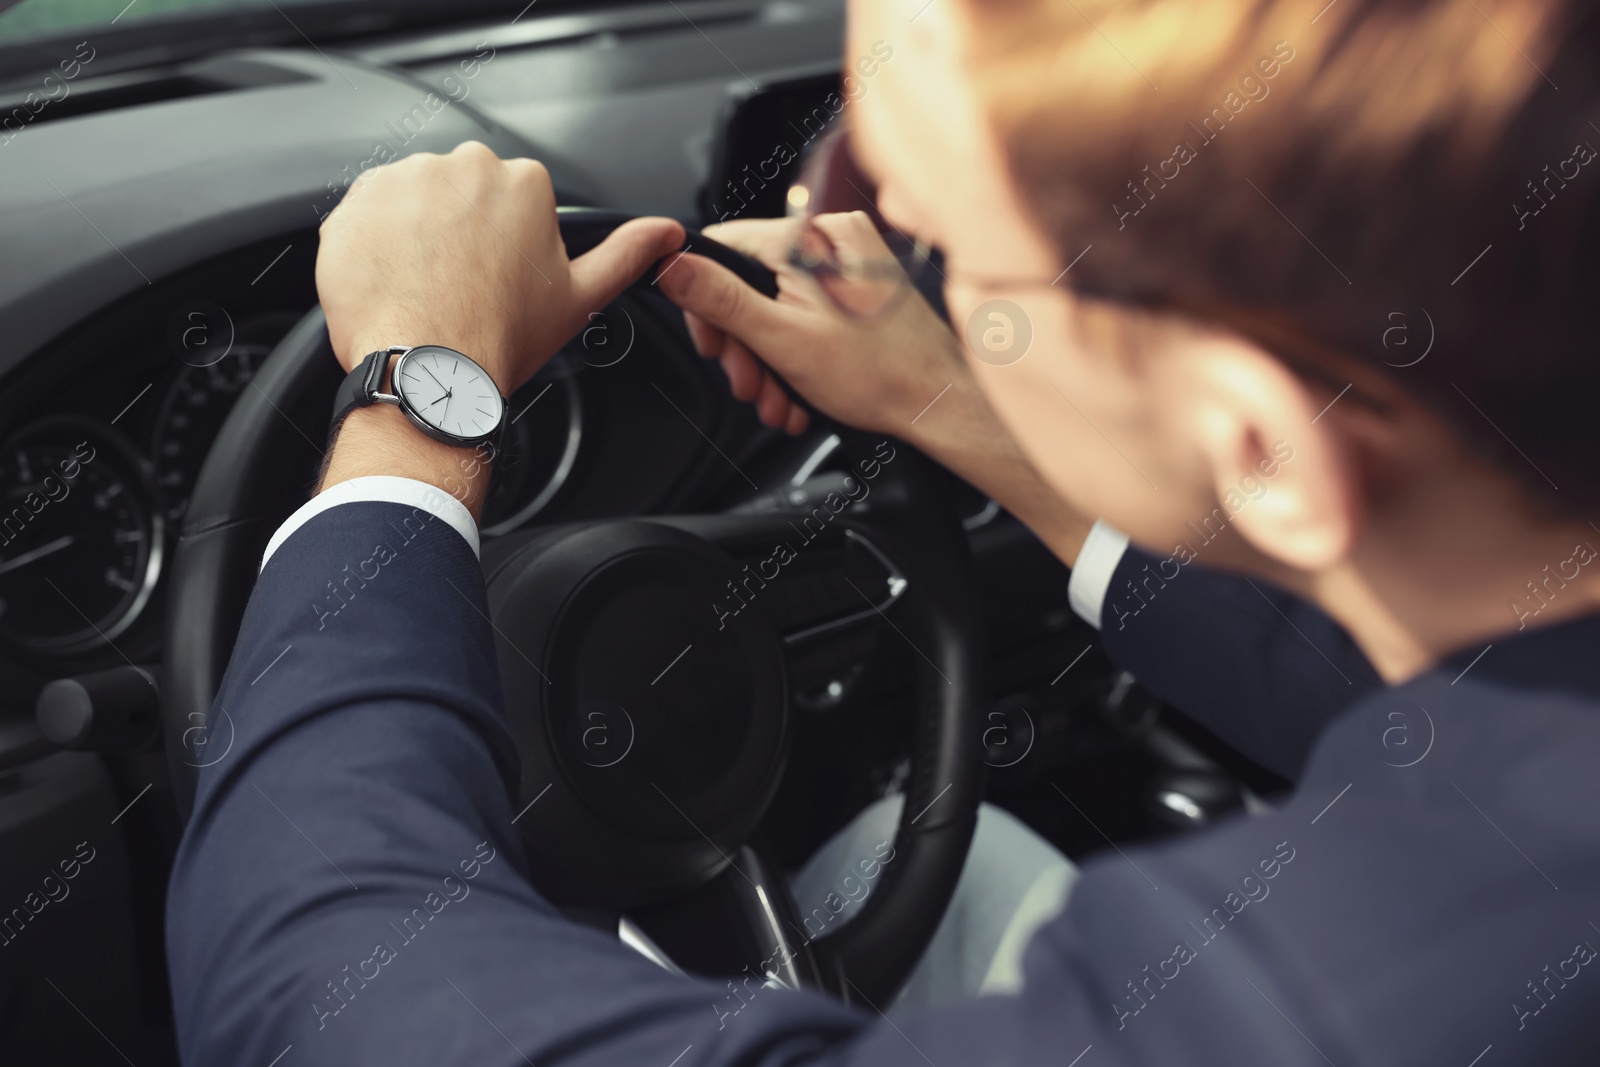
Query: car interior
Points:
[165, 380]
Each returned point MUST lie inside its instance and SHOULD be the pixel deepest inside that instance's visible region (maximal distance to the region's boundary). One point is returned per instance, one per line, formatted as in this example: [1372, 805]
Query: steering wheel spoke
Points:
[742, 923]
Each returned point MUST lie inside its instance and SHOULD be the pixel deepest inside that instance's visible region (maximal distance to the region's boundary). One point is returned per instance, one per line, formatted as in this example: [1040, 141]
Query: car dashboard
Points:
[164, 229]
[106, 437]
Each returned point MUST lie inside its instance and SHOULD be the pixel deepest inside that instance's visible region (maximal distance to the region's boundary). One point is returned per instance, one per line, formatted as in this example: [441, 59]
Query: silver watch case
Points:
[398, 399]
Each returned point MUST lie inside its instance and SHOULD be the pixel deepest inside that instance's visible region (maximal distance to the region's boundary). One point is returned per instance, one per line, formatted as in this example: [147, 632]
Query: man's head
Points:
[1257, 206]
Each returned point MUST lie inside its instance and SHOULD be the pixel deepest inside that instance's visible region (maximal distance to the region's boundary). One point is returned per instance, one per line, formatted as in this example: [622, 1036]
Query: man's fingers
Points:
[854, 235]
[743, 370]
[767, 240]
[771, 240]
[617, 262]
[773, 403]
[717, 296]
[708, 340]
[730, 320]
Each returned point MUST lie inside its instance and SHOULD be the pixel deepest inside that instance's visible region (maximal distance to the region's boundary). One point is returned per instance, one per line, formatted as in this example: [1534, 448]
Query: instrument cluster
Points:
[81, 537]
[91, 506]
[105, 431]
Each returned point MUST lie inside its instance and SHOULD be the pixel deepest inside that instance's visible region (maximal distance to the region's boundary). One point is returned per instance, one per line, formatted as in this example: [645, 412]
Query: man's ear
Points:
[1281, 464]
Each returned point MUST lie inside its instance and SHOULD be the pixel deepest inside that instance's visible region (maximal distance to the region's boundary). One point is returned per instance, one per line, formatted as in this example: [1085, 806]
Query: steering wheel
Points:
[588, 615]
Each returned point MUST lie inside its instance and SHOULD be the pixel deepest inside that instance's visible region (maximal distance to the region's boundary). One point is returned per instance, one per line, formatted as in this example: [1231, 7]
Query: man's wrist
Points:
[947, 428]
[964, 434]
[379, 439]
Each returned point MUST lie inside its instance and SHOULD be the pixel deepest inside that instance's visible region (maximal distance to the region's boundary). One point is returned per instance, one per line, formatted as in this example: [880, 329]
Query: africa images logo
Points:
[1253, 88]
[737, 193]
[15, 121]
[784, 553]
[1253, 889]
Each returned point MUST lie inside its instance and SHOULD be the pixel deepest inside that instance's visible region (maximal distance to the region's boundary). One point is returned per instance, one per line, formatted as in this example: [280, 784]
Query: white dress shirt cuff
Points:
[386, 488]
[1091, 576]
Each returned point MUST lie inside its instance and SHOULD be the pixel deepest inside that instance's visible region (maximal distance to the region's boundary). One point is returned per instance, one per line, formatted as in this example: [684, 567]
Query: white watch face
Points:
[448, 391]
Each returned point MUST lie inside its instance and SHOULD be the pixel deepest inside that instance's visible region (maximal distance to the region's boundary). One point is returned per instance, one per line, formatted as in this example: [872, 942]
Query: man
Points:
[1431, 892]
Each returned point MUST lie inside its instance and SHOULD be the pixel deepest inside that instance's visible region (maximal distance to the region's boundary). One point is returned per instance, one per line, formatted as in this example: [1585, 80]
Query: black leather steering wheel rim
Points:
[246, 488]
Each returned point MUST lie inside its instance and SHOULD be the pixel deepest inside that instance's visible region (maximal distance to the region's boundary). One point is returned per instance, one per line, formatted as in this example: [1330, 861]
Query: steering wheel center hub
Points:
[651, 730]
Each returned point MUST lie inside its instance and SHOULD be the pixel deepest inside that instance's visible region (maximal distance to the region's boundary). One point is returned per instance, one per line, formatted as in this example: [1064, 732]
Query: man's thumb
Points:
[617, 262]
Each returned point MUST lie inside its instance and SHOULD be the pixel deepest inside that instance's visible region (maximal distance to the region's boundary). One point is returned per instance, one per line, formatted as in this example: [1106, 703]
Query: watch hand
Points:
[432, 375]
[448, 393]
[42, 551]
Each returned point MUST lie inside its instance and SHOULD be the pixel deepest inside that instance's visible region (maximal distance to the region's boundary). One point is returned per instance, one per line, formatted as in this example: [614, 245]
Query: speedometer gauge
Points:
[197, 403]
[191, 415]
[80, 543]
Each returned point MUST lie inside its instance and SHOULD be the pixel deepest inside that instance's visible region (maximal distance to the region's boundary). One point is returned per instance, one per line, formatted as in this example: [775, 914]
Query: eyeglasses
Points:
[831, 181]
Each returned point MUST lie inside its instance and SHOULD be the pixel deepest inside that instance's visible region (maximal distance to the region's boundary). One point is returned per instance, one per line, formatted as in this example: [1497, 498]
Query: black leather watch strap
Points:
[358, 386]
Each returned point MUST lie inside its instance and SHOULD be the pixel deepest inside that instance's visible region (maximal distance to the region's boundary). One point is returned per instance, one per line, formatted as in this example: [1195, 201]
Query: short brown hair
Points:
[1427, 165]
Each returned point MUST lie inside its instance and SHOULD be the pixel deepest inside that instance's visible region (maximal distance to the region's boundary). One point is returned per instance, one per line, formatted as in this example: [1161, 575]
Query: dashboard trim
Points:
[569, 459]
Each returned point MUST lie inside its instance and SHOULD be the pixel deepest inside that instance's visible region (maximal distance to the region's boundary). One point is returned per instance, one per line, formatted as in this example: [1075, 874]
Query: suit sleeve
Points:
[351, 889]
[1261, 669]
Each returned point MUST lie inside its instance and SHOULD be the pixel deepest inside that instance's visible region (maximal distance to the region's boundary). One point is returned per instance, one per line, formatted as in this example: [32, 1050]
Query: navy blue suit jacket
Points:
[351, 890]
[1261, 669]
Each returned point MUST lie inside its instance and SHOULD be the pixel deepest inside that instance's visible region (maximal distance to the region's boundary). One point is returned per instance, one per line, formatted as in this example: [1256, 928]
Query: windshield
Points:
[33, 33]
[56, 18]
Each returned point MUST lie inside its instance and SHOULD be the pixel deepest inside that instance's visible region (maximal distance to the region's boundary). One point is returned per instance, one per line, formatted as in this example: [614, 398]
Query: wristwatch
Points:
[443, 392]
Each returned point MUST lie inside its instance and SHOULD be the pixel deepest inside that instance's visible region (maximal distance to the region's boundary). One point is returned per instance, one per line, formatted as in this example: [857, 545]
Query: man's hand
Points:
[460, 250]
[463, 250]
[902, 374]
[877, 375]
